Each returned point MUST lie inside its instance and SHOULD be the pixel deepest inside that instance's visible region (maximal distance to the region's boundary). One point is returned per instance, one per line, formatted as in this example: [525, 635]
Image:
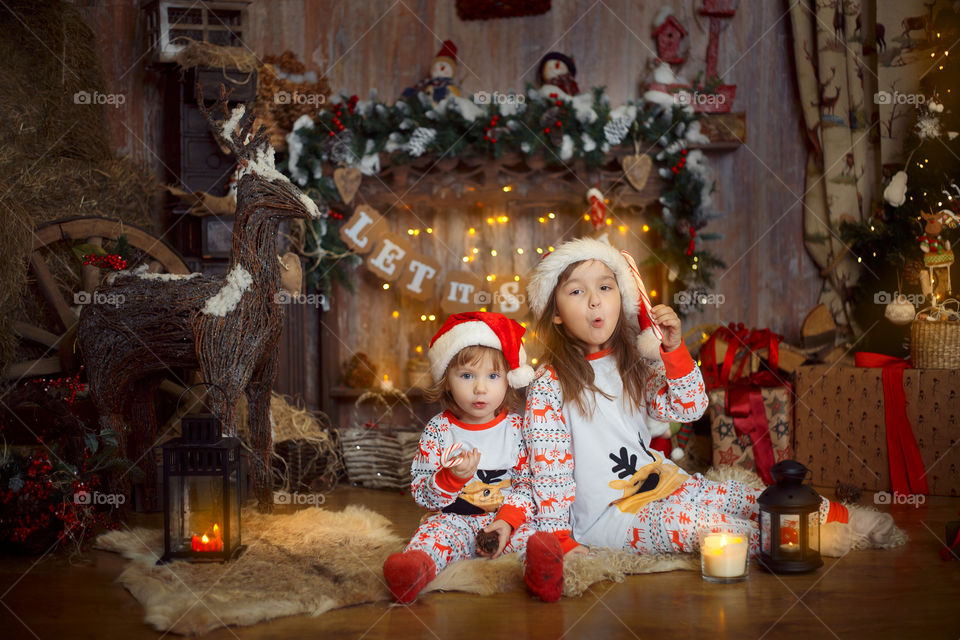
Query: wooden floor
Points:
[907, 592]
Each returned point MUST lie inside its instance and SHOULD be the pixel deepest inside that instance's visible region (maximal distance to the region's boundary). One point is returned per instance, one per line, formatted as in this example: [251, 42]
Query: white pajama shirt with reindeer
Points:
[591, 457]
[500, 489]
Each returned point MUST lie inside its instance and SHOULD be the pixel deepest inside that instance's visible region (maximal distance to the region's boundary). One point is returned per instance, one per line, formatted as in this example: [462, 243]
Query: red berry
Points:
[559, 124]
[546, 130]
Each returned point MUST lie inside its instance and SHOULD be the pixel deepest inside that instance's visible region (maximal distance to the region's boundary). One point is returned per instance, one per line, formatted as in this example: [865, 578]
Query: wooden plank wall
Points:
[389, 44]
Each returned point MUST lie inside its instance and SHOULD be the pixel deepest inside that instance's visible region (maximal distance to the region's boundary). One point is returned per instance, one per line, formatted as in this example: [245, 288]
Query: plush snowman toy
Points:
[440, 84]
[558, 75]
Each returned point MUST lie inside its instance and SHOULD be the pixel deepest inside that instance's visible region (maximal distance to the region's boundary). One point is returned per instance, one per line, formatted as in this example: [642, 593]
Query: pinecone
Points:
[488, 541]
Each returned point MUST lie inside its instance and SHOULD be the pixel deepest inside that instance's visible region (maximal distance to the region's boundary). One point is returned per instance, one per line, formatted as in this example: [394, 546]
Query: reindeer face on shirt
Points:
[487, 492]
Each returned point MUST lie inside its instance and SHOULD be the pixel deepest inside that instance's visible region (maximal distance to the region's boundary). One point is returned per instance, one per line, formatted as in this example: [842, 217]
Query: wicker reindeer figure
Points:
[227, 326]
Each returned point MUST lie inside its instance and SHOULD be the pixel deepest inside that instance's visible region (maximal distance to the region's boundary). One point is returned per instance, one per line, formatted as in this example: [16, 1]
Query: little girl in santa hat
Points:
[472, 467]
[586, 426]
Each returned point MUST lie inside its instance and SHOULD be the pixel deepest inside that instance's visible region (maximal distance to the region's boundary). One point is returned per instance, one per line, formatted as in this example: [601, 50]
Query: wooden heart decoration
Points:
[637, 169]
[347, 181]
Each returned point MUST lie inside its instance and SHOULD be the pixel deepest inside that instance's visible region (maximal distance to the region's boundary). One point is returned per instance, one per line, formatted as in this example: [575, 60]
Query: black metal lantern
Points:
[789, 521]
[203, 476]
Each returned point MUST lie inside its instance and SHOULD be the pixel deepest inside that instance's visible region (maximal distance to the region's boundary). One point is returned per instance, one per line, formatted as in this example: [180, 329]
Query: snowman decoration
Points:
[558, 76]
[440, 85]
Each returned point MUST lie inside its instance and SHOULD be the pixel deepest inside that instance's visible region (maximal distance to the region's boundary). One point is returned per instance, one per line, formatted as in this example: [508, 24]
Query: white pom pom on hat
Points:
[546, 275]
[483, 329]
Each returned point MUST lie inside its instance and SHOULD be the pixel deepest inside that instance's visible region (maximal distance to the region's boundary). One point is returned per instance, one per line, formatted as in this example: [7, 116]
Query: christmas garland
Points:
[353, 133]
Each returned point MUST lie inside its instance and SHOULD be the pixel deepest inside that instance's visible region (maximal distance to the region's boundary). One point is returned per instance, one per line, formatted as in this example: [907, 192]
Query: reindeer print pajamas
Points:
[626, 495]
[499, 489]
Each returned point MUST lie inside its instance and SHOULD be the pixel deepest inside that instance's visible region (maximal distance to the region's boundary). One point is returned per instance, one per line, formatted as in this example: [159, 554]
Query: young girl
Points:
[472, 468]
[586, 424]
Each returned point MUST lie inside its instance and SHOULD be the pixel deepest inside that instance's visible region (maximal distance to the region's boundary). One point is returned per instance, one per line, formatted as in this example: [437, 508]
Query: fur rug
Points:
[315, 560]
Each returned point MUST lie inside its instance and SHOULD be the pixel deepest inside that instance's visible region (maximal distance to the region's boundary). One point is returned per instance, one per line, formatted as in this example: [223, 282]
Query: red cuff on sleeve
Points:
[567, 543]
[678, 362]
[449, 482]
[513, 516]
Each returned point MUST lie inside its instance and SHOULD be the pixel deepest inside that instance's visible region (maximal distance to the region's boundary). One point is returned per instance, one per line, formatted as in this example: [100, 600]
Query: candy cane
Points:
[445, 460]
[644, 299]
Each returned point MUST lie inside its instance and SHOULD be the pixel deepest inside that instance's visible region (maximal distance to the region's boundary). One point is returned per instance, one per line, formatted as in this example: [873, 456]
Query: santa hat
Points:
[447, 52]
[481, 328]
[546, 275]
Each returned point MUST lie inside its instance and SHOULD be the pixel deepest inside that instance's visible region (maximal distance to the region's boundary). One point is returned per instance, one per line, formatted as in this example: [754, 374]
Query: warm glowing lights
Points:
[507, 189]
[386, 285]
[519, 251]
[472, 231]
[395, 314]
[645, 228]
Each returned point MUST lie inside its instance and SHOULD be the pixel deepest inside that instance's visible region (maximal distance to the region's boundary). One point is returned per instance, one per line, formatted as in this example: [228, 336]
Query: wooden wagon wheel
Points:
[159, 256]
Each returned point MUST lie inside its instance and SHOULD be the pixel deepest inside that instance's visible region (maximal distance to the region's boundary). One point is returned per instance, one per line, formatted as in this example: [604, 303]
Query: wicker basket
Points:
[379, 455]
[935, 345]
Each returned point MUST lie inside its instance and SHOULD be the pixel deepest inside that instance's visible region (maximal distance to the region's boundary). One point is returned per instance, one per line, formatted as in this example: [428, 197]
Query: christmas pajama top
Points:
[608, 446]
[501, 483]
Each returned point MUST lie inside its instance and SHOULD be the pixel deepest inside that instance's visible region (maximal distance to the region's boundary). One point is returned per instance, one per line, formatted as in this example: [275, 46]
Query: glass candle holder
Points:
[725, 553]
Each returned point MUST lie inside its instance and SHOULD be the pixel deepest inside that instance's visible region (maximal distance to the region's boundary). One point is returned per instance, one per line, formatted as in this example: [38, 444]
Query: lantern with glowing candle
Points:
[789, 522]
[203, 474]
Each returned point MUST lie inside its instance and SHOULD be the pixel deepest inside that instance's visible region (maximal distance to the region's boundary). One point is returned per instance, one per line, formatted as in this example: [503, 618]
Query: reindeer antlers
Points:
[236, 131]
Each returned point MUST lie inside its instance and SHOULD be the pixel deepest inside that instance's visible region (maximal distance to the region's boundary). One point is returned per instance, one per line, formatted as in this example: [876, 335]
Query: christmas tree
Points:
[906, 246]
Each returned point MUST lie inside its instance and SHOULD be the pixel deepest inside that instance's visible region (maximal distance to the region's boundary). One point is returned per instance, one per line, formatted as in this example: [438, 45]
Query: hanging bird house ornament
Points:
[789, 522]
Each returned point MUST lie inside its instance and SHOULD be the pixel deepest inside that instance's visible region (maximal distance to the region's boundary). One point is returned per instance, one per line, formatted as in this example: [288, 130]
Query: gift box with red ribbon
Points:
[880, 426]
[750, 412]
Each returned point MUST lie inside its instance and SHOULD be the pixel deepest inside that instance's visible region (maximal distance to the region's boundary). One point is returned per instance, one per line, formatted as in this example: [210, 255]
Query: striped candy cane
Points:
[644, 299]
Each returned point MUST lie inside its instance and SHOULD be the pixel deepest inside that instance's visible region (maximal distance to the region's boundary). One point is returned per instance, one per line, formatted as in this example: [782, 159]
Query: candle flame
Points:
[204, 539]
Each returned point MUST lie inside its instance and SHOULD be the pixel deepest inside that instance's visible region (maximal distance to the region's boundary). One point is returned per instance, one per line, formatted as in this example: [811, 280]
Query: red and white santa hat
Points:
[546, 275]
[484, 329]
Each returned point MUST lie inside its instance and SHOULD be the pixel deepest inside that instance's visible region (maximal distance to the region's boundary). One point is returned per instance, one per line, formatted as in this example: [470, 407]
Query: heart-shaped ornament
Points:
[637, 170]
[347, 181]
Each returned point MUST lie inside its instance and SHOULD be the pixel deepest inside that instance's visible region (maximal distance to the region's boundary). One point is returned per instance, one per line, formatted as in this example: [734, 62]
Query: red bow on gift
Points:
[907, 473]
[744, 398]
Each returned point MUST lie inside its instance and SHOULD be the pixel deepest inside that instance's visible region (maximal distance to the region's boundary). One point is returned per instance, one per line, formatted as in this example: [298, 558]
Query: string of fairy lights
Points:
[474, 252]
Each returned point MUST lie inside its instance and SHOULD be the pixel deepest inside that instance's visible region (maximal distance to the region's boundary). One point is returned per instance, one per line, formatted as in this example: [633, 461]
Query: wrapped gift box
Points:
[731, 448]
[841, 428]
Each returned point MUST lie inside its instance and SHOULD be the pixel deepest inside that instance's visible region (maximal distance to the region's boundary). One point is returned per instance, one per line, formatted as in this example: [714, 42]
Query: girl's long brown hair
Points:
[566, 354]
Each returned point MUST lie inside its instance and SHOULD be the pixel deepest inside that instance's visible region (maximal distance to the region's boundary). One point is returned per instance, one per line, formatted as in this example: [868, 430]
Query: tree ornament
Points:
[598, 208]
[900, 311]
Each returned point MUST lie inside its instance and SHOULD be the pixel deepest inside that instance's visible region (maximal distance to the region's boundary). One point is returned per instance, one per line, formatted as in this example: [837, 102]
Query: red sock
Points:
[544, 572]
[407, 574]
[837, 513]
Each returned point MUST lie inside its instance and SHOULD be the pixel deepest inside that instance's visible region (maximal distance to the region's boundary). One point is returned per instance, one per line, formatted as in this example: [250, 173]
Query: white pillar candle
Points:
[724, 555]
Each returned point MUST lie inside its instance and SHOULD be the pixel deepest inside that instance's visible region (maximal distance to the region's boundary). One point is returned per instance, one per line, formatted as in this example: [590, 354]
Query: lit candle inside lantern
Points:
[724, 555]
[206, 543]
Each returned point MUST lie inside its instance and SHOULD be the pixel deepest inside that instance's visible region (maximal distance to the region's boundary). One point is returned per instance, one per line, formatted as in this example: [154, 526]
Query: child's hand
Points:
[666, 318]
[466, 464]
[579, 550]
[503, 531]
